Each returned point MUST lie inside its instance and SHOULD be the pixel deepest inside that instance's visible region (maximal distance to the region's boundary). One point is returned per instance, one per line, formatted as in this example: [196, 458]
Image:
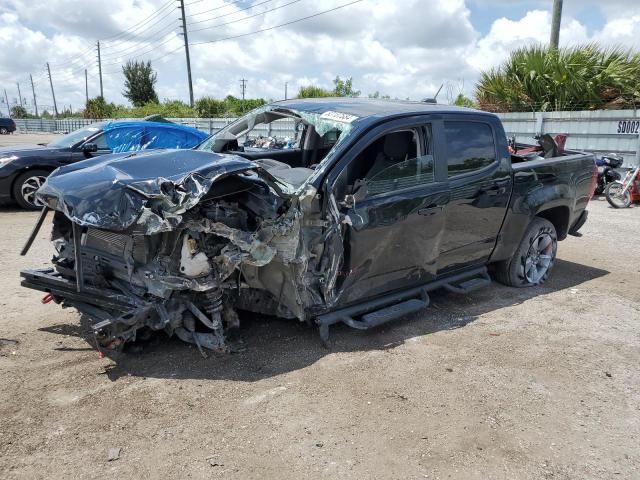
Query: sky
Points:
[405, 48]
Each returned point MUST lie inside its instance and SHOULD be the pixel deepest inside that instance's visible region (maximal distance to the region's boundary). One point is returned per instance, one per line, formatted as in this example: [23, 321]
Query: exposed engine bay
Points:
[182, 252]
[188, 281]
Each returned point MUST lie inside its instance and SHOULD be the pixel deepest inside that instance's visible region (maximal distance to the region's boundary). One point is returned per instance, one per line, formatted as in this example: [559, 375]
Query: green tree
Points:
[463, 101]
[139, 84]
[18, 112]
[344, 88]
[341, 88]
[209, 107]
[313, 91]
[97, 108]
[376, 95]
[540, 78]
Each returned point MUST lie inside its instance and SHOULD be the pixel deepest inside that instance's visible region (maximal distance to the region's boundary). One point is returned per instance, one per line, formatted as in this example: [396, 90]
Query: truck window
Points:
[395, 161]
[470, 147]
[278, 134]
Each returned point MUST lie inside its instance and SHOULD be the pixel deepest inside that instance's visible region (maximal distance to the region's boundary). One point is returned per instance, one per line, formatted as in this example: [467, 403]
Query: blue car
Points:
[24, 168]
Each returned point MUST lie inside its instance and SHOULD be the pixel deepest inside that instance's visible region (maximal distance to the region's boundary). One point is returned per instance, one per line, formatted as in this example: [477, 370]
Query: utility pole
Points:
[186, 50]
[286, 84]
[7, 99]
[243, 85]
[19, 95]
[33, 90]
[555, 23]
[86, 85]
[53, 94]
[100, 69]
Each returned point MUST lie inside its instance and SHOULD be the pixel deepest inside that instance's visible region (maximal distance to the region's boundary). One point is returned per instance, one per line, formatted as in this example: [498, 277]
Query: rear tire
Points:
[534, 258]
[25, 186]
[4, 131]
[615, 197]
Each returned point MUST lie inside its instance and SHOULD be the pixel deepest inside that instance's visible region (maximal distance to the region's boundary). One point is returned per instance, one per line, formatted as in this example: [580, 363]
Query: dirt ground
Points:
[504, 383]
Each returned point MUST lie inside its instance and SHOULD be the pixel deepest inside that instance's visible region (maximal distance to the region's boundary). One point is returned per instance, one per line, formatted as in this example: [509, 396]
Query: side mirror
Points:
[89, 148]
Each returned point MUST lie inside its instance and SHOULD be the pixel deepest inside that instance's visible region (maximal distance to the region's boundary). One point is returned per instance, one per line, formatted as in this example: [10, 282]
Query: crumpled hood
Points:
[151, 189]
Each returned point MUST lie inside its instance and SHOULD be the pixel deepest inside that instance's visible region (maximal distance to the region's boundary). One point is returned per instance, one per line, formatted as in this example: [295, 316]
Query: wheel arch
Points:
[18, 173]
[559, 217]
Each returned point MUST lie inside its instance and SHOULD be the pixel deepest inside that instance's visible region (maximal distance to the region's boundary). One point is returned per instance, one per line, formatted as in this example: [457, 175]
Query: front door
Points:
[394, 217]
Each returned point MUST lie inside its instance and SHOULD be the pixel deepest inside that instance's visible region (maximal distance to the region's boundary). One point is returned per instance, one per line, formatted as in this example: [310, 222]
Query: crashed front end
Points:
[178, 241]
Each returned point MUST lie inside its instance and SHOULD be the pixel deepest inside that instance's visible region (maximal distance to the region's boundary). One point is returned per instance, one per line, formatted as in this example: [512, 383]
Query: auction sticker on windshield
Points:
[338, 117]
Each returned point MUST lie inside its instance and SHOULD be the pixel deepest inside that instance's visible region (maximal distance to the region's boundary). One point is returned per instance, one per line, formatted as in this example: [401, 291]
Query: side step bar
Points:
[381, 310]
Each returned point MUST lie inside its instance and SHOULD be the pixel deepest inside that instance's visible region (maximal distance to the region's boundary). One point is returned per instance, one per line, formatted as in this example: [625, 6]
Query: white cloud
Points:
[405, 49]
[535, 27]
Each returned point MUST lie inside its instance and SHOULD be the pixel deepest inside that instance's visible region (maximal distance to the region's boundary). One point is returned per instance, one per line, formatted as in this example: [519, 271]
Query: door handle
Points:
[429, 211]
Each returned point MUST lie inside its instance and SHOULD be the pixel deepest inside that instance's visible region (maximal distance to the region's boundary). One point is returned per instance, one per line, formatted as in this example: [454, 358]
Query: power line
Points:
[245, 18]
[133, 34]
[78, 57]
[165, 31]
[139, 24]
[151, 60]
[231, 13]
[278, 26]
[132, 30]
[154, 49]
[227, 4]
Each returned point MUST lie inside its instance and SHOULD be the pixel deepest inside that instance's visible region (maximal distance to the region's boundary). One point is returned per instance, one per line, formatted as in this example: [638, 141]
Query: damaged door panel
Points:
[342, 221]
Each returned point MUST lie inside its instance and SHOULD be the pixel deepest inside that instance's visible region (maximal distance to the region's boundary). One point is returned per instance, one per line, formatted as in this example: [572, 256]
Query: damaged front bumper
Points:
[178, 253]
[118, 317]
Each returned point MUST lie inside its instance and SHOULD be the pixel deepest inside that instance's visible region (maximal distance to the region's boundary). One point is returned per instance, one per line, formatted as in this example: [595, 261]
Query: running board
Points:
[390, 307]
[469, 285]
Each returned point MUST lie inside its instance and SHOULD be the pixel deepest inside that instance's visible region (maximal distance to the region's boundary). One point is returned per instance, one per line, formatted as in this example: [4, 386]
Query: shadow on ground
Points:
[11, 208]
[275, 346]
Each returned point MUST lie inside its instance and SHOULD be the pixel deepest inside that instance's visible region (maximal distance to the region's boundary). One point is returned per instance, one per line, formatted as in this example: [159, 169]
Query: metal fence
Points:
[598, 131]
[66, 125]
[280, 128]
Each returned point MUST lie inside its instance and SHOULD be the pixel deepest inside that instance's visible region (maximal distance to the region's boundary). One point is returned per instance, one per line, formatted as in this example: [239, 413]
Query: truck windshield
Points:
[276, 128]
[73, 138]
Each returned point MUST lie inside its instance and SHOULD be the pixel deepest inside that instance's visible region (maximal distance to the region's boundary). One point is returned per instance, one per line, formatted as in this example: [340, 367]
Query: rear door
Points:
[394, 218]
[479, 181]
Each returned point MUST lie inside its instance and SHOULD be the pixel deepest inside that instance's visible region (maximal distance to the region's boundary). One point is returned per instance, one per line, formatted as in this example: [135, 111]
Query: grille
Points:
[115, 243]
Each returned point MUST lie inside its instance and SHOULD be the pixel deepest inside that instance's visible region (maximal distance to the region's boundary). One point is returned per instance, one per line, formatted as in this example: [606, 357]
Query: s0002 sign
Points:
[629, 126]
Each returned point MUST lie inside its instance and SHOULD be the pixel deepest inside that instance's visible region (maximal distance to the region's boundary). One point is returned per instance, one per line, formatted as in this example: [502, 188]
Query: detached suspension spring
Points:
[211, 302]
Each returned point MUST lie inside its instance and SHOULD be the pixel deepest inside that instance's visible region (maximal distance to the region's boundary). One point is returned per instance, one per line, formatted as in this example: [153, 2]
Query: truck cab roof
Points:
[364, 108]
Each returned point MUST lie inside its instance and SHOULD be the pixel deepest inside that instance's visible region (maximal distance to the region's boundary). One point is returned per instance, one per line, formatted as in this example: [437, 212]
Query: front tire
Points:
[4, 131]
[616, 197]
[534, 258]
[25, 187]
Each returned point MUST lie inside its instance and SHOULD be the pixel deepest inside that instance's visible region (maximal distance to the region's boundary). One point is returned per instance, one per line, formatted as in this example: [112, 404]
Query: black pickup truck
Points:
[370, 206]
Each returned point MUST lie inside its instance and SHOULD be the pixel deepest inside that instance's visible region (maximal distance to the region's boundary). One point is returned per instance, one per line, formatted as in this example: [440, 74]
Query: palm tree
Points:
[541, 78]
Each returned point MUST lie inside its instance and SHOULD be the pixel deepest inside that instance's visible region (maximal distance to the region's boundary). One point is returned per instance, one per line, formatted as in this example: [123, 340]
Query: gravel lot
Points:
[501, 384]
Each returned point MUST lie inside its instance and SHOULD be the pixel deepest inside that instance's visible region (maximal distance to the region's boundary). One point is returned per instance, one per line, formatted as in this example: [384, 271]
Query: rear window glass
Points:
[470, 146]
